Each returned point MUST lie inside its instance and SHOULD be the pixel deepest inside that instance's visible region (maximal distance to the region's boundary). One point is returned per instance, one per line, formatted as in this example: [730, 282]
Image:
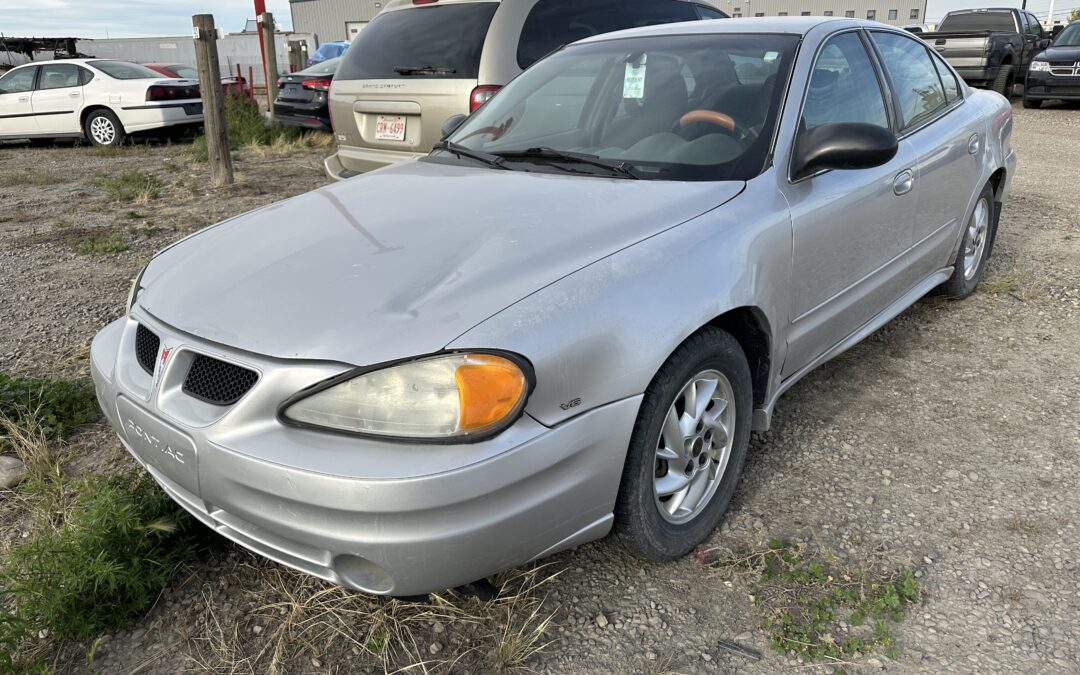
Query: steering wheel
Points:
[726, 122]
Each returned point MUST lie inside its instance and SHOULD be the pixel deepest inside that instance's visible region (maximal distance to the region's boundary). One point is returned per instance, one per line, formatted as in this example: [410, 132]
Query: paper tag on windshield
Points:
[634, 81]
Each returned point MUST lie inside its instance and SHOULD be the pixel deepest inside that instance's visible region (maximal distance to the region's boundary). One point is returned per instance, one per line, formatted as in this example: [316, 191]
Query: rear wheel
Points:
[687, 449]
[103, 128]
[974, 249]
[1005, 81]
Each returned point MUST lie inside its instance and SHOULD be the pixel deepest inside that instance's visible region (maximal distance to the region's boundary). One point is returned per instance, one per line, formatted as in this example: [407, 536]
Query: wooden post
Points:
[214, 125]
[251, 83]
[266, 28]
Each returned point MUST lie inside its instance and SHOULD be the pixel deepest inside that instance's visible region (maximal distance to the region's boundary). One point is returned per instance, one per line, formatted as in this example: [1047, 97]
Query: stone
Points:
[12, 471]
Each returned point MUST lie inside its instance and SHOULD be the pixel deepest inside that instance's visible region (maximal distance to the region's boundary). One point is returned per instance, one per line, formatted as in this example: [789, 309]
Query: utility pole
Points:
[1050, 17]
[214, 125]
[266, 30]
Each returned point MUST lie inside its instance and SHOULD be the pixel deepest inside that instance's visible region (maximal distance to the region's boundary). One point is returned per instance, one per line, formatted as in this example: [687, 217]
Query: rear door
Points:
[947, 137]
[16, 112]
[58, 97]
[851, 229]
[406, 72]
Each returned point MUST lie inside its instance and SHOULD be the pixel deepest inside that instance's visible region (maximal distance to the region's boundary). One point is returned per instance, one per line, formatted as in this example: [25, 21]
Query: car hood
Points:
[1071, 54]
[401, 261]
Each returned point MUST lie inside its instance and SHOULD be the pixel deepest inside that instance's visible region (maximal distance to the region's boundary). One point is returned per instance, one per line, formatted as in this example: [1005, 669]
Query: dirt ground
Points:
[947, 442]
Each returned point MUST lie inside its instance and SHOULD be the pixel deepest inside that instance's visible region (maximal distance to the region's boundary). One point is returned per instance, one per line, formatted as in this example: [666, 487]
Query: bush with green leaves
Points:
[58, 405]
[245, 125]
[104, 566]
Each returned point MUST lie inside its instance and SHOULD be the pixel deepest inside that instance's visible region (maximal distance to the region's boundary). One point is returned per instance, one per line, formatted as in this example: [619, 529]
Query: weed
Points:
[57, 406]
[108, 150]
[93, 244]
[104, 566]
[62, 224]
[247, 128]
[43, 461]
[805, 598]
[36, 178]
[132, 185]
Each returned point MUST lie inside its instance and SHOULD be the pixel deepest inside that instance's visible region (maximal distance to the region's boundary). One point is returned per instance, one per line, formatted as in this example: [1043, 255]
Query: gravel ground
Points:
[946, 442]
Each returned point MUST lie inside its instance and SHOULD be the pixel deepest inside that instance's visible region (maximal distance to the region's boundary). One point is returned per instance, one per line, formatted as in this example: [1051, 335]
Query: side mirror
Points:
[843, 145]
[452, 123]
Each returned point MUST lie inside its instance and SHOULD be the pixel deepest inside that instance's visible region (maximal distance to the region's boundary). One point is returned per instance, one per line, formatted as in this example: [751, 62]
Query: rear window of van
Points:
[427, 41]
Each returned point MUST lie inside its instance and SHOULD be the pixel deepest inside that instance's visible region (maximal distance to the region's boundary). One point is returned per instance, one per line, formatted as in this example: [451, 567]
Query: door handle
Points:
[24, 99]
[974, 144]
[904, 181]
[75, 94]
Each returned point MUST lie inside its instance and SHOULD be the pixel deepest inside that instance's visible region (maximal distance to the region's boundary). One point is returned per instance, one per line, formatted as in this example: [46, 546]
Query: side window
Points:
[58, 76]
[1034, 27]
[914, 77]
[554, 23]
[948, 80]
[710, 12]
[85, 76]
[17, 81]
[843, 86]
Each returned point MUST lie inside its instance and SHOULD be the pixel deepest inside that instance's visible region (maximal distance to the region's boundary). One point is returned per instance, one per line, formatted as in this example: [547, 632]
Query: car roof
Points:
[80, 61]
[790, 25]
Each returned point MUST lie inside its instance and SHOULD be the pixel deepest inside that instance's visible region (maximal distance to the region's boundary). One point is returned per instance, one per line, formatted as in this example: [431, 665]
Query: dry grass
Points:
[1020, 283]
[297, 621]
[36, 178]
[285, 146]
[44, 463]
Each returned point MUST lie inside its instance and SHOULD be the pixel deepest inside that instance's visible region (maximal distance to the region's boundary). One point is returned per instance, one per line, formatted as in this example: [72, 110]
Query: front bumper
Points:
[350, 161]
[385, 518]
[1043, 86]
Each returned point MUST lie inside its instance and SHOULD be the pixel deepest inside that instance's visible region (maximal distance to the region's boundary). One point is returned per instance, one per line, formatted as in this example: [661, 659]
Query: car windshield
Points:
[688, 107]
[186, 72]
[1069, 37]
[122, 70]
[327, 67]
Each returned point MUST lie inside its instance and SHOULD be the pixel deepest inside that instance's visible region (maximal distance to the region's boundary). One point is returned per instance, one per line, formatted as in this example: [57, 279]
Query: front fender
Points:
[601, 334]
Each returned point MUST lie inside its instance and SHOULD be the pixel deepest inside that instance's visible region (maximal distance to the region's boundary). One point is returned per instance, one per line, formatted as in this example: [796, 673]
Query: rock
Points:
[256, 629]
[12, 471]
[315, 662]
[435, 648]
[601, 620]
[438, 627]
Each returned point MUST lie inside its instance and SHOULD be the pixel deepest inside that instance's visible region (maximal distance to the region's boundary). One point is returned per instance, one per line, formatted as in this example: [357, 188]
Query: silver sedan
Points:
[568, 318]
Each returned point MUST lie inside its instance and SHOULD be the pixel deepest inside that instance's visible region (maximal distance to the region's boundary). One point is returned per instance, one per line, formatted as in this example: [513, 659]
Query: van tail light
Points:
[168, 92]
[317, 85]
[481, 95]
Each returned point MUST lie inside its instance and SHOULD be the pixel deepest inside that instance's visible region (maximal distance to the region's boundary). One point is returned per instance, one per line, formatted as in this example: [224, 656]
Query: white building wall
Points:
[840, 8]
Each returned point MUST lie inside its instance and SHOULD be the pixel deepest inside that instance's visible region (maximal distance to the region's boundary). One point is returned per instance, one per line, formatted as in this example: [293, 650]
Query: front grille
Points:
[217, 382]
[1063, 91]
[146, 348]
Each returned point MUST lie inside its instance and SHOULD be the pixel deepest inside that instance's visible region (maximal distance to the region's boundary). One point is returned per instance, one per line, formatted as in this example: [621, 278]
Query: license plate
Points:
[390, 128]
[166, 449]
[193, 108]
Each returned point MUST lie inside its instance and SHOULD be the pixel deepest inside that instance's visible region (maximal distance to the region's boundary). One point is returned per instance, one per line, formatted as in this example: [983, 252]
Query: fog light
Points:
[362, 574]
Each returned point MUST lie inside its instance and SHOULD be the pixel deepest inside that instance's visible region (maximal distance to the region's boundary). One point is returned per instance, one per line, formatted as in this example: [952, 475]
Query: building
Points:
[895, 12]
[333, 20]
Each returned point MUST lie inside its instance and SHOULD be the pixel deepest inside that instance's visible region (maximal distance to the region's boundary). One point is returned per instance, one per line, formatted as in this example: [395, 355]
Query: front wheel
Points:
[687, 448]
[974, 249]
[1034, 103]
[104, 129]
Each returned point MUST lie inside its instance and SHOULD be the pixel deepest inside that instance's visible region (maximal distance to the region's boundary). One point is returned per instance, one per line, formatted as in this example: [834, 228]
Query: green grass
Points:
[245, 126]
[132, 185]
[93, 244]
[36, 178]
[804, 598]
[57, 405]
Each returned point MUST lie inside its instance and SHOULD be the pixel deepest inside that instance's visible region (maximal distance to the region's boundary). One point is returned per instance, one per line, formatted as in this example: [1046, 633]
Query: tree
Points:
[1075, 16]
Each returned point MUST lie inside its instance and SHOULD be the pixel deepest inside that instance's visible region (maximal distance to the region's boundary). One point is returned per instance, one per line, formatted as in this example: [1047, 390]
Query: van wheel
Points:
[687, 448]
[1004, 82]
[102, 128]
[974, 249]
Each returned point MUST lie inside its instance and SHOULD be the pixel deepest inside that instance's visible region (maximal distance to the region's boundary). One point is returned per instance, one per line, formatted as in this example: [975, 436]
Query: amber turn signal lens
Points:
[490, 388]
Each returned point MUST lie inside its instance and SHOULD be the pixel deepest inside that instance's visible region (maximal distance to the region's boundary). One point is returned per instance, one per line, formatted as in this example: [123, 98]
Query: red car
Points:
[234, 86]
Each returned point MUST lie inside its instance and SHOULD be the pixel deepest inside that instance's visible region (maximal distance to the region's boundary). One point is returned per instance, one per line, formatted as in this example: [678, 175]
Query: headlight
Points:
[1040, 66]
[448, 396]
[133, 294]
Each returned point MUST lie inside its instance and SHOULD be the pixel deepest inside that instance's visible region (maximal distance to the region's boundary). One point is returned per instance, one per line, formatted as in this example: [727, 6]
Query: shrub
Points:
[131, 186]
[104, 566]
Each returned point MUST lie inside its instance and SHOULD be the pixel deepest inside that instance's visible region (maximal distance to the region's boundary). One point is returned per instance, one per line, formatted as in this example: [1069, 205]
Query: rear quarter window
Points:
[554, 23]
[427, 41]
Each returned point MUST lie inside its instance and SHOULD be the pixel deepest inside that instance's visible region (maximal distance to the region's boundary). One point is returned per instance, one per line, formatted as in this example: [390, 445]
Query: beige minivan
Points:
[421, 61]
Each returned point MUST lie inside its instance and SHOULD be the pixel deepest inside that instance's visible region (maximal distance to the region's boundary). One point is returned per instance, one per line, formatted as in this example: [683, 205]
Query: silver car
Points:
[565, 320]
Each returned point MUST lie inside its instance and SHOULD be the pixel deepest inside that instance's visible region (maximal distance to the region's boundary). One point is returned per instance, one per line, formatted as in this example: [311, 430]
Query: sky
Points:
[132, 18]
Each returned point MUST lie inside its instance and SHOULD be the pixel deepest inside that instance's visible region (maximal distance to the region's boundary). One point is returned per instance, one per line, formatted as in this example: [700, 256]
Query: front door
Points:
[16, 113]
[58, 99]
[850, 228]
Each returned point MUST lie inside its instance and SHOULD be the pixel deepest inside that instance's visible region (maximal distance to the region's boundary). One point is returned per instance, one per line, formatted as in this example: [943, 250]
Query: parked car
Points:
[101, 99]
[416, 64]
[326, 51]
[568, 317]
[302, 98]
[989, 47]
[1055, 72]
[232, 85]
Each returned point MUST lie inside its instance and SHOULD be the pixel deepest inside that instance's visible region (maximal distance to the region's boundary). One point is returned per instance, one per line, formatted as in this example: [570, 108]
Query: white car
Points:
[101, 99]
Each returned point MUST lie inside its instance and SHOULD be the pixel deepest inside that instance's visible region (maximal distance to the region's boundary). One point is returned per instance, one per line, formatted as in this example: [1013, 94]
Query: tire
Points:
[974, 249]
[649, 524]
[102, 128]
[1033, 103]
[1004, 82]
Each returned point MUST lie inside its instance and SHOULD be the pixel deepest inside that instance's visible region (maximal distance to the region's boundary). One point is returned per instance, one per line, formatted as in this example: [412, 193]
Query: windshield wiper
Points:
[462, 151]
[617, 167]
[424, 70]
